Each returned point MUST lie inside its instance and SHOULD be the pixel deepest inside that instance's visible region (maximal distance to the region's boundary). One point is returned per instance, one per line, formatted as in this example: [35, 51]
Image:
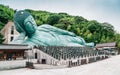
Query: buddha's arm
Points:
[57, 30]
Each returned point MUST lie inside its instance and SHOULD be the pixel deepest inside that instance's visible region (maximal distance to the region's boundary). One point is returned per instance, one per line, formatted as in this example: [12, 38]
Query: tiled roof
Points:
[112, 44]
[14, 47]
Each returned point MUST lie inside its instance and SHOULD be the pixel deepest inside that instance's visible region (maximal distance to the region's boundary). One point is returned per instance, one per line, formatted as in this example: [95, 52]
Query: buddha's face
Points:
[30, 25]
[24, 23]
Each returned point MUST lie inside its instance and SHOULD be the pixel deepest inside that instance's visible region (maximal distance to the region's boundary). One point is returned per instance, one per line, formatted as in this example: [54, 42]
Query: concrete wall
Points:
[49, 59]
[14, 64]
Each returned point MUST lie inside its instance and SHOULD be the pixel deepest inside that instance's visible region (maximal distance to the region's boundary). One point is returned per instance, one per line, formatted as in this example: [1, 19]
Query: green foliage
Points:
[1, 39]
[93, 26]
[1, 25]
[53, 19]
[6, 13]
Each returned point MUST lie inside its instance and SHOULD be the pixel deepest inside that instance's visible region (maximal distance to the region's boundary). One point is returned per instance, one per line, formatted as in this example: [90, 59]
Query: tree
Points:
[108, 29]
[94, 26]
[53, 19]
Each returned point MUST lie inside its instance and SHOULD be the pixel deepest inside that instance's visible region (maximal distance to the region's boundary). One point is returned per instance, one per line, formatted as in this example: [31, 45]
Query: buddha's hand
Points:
[19, 40]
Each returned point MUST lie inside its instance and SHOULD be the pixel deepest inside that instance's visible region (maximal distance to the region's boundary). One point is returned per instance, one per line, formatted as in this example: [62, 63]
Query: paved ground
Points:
[12, 64]
[109, 66]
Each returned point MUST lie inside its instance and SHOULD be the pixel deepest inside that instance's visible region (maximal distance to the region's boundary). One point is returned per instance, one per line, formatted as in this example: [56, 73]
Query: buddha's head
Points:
[24, 22]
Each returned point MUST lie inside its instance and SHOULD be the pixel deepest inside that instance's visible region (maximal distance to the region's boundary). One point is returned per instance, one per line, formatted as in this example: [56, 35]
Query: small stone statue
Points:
[45, 34]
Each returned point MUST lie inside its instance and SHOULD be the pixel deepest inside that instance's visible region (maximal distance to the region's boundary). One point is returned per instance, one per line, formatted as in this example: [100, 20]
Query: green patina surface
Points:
[45, 35]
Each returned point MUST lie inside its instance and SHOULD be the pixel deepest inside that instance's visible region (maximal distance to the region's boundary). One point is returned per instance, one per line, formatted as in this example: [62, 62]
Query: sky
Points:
[100, 10]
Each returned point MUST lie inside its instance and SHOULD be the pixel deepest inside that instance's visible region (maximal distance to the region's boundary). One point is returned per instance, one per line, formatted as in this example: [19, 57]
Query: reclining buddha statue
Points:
[45, 35]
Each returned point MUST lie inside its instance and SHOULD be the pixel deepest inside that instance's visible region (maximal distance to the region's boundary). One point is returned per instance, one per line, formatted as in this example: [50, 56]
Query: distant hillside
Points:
[91, 31]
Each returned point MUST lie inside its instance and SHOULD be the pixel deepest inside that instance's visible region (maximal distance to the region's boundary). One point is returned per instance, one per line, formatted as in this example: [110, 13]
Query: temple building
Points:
[11, 51]
[109, 47]
[9, 32]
